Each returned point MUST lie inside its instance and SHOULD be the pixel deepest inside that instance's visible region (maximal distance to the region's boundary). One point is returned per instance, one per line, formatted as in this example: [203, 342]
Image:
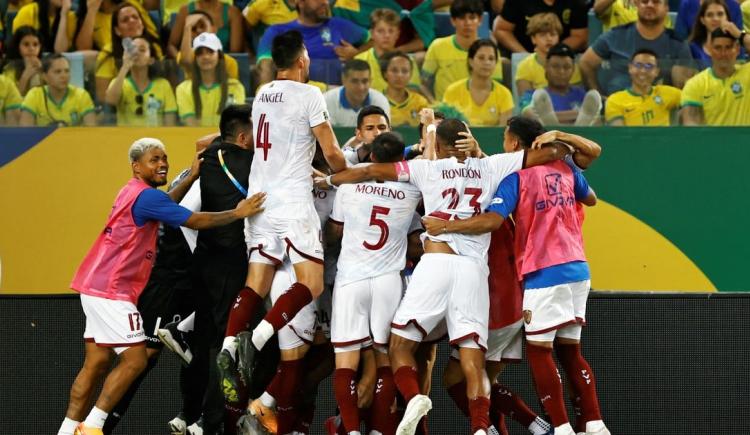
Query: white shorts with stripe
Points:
[287, 231]
[112, 323]
[363, 311]
[548, 310]
[450, 287]
[504, 344]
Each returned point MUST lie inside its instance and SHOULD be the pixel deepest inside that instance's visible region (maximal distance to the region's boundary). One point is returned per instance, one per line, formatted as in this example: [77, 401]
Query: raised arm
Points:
[179, 191]
[375, 171]
[692, 115]
[85, 38]
[330, 146]
[480, 224]
[586, 150]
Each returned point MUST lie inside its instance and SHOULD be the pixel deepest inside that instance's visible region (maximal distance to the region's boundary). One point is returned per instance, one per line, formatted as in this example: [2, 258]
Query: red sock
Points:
[505, 401]
[479, 411]
[385, 393]
[242, 311]
[458, 394]
[290, 372]
[274, 387]
[547, 383]
[345, 390]
[406, 382]
[288, 305]
[581, 380]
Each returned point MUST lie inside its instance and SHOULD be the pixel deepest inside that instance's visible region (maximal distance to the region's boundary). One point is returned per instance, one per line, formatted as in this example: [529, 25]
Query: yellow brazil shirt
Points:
[210, 99]
[531, 70]
[29, 16]
[407, 112]
[10, 98]
[619, 14]
[447, 62]
[746, 15]
[652, 109]
[377, 81]
[486, 114]
[268, 12]
[724, 101]
[75, 104]
[133, 107]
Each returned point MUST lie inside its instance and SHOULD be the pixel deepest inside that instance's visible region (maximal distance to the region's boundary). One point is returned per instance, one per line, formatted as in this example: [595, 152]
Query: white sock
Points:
[230, 344]
[594, 425]
[262, 333]
[187, 324]
[480, 432]
[267, 400]
[68, 426]
[96, 418]
[539, 426]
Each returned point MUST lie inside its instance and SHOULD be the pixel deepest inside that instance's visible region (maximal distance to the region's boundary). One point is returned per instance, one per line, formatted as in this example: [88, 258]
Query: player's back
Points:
[376, 217]
[284, 112]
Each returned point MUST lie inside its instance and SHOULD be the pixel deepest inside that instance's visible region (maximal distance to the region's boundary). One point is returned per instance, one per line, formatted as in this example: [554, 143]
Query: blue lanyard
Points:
[229, 174]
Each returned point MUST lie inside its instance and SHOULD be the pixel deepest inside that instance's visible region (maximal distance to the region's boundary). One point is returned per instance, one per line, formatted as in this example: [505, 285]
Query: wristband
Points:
[431, 128]
[330, 182]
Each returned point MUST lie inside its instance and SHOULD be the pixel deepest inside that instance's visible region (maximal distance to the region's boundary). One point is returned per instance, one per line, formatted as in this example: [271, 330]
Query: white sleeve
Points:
[316, 108]
[418, 169]
[337, 212]
[505, 164]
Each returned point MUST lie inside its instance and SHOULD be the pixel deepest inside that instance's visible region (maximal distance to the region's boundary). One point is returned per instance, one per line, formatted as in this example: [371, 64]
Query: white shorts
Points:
[549, 309]
[450, 287]
[112, 323]
[301, 329]
[503, 345]
[363, 311]
[288, 231]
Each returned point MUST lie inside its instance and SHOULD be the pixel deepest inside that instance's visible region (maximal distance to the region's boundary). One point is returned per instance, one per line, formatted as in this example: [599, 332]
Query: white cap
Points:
[208, 40]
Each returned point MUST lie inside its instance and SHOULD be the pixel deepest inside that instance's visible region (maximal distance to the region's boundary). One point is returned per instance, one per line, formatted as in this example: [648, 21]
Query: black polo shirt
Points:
[572, 13]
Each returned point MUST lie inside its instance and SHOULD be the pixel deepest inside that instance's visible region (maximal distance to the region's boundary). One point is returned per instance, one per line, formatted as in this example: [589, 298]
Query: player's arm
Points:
[583, 191]
[245, 208]
[179, 191]
[586, 150]
[330, 146]
[693, 115]
[377, 171]
[483, 223]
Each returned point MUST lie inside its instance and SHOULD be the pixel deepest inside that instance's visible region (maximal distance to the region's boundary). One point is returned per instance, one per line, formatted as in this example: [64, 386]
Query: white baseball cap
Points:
[208, 40]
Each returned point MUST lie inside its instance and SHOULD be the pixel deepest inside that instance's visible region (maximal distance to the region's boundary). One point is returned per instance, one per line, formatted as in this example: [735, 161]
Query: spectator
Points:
[561, 103]
[689, 11]
[141, 97]
[58, 102]
[710, 16]
[10, 102]
[544, 30]
[200, 100]
[405, 104]
[226, 18]
[483, 101]
[94, 18]
[54, 21]
[719, 95]
[23, 63]
[327, 40]
[269, 12]
[344, 103]
[384, 33]
[445, 61]
[614, 13]
[510, 28]
[619, 44]
[643, 103]
[745, 7]
[196, 23]
[126, 22]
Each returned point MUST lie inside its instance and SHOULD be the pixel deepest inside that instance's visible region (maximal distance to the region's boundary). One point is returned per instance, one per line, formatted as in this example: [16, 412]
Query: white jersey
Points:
[377, 218]
[455, 190]
[284, 113]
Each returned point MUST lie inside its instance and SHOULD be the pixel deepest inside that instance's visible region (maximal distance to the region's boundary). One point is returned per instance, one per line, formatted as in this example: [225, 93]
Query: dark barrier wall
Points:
[665, 364]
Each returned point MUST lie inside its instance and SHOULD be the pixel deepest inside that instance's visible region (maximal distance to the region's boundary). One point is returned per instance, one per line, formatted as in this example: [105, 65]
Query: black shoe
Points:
[176, 341]
[245, 356]
[228, 376]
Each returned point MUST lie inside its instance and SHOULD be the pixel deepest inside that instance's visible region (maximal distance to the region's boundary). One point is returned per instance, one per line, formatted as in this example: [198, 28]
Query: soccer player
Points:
[453, 187]
[288, 117]
[550, 258]
[114, 273]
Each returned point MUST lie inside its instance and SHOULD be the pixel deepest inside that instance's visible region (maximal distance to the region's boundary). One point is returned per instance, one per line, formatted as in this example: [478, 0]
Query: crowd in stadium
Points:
[178, 62]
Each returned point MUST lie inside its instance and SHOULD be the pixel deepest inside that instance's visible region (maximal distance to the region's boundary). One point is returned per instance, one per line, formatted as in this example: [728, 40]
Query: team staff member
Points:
[114, 273]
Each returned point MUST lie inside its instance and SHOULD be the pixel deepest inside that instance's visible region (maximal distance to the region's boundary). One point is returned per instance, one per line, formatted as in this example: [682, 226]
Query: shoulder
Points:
[439, 43]
[501, 91]
[455, 87]
[617, 96]
[161, 84]
[186, 84]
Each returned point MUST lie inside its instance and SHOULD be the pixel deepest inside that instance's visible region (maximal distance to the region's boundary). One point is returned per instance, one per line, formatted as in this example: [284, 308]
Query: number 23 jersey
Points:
[377, 218]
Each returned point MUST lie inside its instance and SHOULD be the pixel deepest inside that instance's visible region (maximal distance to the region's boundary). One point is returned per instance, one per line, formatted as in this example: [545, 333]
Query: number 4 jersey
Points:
[284, 113]
[456, 190]
[377, 218]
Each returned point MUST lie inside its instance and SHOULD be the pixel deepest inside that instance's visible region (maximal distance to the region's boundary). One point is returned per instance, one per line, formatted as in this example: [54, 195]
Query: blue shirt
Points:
[689, 10]
[560, 102]
[505, 202]
[155, 205]
[320, 42]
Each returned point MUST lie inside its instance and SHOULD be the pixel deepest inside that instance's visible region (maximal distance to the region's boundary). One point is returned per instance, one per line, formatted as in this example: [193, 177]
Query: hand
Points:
[468, 144]
[192, 20]
[731, 28]
[127, 60]
[545, 138]
[251, 206]
[66, 5]
[365, 392]
[426, 116]
[203, 142]
[345, 50]
[321, 183]
[195, 167]
[32, 65]
[93, 5]
[435, 226]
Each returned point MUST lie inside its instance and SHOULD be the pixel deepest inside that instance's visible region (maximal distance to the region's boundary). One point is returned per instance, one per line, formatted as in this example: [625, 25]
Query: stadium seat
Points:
[243, 65]
[9, 16]
[443, 26]
[515, 59]
[77, 74]
[156, 18]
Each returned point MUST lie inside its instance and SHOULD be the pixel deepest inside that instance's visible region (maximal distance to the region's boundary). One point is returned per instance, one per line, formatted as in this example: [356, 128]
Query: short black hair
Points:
[459, 8]
[562, 50]
[447, 131]
[388, 147]
[355, 65]
[525, 129]
[719, 33]
[476, 45]
[234, 119]
[48, 59]
[371, 110]
[286, 48]
[386, 59]
[647, 51]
